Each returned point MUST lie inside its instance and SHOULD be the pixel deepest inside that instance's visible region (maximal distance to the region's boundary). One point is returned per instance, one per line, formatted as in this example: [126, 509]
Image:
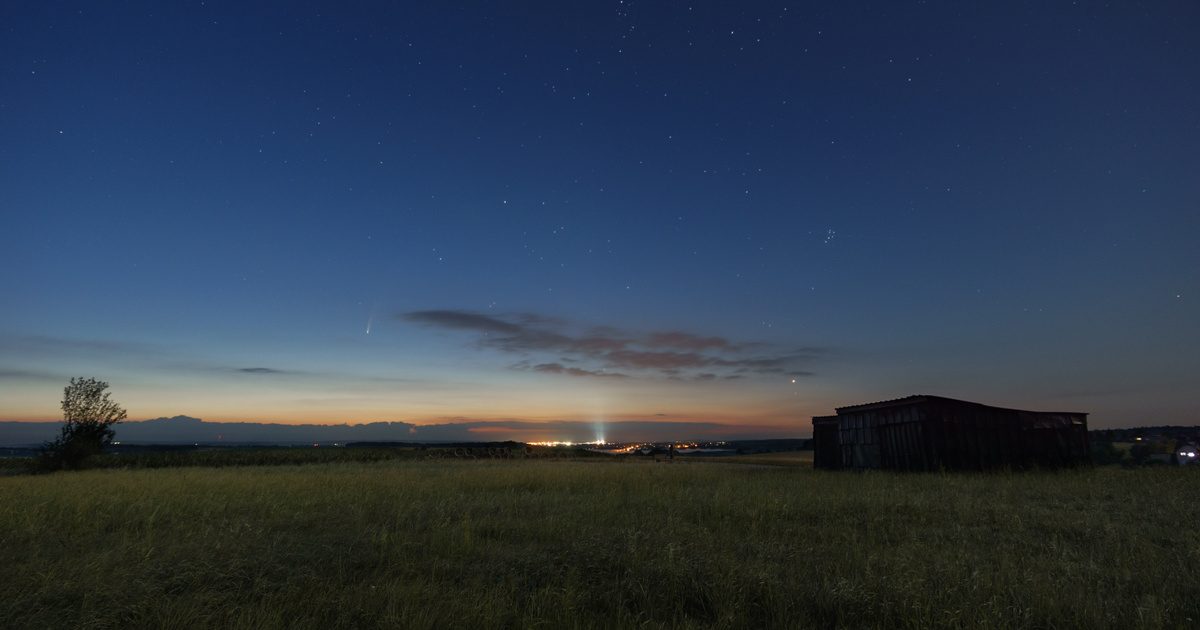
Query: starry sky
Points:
[733, 213]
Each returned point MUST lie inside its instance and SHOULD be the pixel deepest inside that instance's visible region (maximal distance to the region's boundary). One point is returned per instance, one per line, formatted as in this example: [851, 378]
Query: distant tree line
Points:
[1140, 446]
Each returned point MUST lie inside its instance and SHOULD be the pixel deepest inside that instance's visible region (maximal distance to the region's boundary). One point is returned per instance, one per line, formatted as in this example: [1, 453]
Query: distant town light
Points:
[563, 443]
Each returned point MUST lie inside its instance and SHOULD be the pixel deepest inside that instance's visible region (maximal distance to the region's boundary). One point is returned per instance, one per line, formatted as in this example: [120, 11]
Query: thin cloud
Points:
[43, 345]
[462, 320]
[603, 351]
[558, 368]
[686, 341]
[659, 360]
[264, 370]
[27, 375]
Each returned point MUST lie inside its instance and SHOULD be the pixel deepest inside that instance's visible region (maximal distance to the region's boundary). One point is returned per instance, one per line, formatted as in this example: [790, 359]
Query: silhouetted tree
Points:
[1141, 452]
[88, 417]
[1104, 452]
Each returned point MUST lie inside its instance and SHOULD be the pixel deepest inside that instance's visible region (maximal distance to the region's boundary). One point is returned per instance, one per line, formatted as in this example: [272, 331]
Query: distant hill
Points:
[27, 433]
[188, 430]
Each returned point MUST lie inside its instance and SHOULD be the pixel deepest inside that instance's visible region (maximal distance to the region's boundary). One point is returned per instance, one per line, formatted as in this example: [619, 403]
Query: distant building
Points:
[935, 433]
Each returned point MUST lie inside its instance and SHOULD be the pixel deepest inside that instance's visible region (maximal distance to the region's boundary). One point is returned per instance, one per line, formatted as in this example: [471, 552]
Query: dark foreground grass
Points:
[220, 457]
[597, 544]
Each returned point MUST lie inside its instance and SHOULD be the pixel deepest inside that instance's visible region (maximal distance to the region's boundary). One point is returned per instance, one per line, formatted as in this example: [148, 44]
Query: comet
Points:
[371, 318]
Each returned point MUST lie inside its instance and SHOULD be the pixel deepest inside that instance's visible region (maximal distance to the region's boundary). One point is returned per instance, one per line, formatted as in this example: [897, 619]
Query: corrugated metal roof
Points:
[918, 398]
[894, 401]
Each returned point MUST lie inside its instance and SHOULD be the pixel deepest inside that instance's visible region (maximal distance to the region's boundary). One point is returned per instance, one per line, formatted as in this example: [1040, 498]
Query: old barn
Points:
[935, 433]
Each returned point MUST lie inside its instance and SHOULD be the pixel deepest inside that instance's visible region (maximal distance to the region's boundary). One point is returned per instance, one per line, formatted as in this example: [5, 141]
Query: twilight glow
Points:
[734, 214]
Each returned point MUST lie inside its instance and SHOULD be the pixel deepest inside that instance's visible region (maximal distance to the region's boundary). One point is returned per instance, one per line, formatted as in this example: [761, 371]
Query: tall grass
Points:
[284, 456]
[426, 543]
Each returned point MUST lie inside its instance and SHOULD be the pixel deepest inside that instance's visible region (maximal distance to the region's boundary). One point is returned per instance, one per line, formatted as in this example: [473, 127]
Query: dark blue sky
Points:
[589, 211]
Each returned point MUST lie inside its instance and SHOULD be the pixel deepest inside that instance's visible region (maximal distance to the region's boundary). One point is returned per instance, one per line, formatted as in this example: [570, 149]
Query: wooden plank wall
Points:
[937, 434]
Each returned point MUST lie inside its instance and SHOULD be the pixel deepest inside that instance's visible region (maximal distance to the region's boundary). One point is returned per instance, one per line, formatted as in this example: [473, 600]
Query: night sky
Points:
[741, 213]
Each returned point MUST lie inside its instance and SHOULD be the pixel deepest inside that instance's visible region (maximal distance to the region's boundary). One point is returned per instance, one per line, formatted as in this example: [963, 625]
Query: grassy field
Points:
[284, 456]
[803, 459]
[602, 543]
